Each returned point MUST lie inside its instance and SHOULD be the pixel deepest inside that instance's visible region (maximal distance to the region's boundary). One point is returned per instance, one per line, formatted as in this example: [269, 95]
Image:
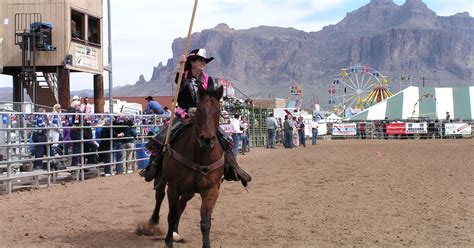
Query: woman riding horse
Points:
[194, 76]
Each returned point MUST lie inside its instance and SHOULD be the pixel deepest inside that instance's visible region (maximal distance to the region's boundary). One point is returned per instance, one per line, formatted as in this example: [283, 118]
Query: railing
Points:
[456, 129]
[20, 133]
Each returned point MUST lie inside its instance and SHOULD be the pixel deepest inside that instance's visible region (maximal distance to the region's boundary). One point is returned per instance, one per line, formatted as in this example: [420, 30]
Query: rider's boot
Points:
[153, 169]
[232, 170]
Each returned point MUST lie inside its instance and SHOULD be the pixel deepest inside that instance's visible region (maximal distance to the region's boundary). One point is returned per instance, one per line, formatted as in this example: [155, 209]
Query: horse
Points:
[193, 163]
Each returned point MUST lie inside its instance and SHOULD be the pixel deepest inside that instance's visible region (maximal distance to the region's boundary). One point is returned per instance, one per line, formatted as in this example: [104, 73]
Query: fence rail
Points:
[41, 146]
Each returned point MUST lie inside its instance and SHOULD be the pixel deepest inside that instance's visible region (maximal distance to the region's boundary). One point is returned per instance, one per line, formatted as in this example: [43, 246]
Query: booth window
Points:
[93, 34]
[77, 25]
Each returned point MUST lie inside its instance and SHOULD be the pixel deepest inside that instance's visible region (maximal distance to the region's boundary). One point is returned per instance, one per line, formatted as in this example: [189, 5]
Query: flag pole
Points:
[180, 75]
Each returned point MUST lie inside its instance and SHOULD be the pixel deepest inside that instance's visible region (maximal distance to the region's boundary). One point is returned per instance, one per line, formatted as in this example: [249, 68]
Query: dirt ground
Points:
[338, 193]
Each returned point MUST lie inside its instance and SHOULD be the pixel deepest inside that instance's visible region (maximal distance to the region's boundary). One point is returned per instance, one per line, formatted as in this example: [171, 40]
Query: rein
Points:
[203, 169]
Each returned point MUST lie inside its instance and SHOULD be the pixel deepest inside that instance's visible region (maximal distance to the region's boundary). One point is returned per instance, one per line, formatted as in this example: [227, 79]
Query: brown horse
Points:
[194, 163]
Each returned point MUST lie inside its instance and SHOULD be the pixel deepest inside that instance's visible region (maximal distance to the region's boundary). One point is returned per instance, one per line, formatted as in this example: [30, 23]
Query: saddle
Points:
[156, 144]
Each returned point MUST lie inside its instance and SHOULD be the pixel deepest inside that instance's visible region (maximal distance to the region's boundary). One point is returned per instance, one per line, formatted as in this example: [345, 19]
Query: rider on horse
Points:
[194, 76]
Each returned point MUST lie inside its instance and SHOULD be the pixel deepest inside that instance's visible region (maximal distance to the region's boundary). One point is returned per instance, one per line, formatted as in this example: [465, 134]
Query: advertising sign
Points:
[344, 129]
[86, 56]
[412, 128]
[396, 128]
[457, 128]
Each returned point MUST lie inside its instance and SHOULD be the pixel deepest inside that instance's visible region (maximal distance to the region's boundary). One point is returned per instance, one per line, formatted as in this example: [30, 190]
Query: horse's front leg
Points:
[159, 196]
[209, 198]
[183, 200]
[173, 214]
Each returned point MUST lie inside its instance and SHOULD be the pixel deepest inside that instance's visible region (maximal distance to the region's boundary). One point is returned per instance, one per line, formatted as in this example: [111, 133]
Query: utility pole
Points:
[111, 82]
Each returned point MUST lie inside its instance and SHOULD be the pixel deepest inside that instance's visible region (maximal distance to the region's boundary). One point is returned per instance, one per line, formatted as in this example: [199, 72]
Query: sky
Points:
[143, 30]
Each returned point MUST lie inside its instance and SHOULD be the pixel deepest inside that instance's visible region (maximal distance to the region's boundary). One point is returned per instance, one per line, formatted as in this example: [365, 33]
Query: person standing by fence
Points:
[75, 122]
[314, 130]
[39, 136]
[236, 132]
[288, 132]
[131, 133]
[55, 131]
[272, 127]
[119, 142]
[296, 139]
[244, 126]
[362, 129]
[301, 132]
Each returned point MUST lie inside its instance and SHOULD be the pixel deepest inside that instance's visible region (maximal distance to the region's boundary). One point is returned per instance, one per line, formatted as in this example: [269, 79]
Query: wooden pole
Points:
[180, 75]
[98, 93]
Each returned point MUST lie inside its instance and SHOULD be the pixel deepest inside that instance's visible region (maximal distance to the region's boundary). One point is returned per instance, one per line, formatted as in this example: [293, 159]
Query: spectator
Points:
[236, 132]
[314, 129]
[363, 129]
[244, 126]
[384, 128]
[448, 117]
[296, 139]
[153, 107]
[89, 144]
[76, 100]
[39, 136]
[119, 130]
[104, 147]
[75, 122]
[438, 129]
[131, 133]
[301, 132]
[288, 132]
[378, 126]
[86, 107]
[166, 112]
[55, 131]
[272, 127]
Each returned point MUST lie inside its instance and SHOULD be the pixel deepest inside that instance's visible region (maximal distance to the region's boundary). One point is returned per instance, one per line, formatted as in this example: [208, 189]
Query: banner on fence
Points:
[344, 129]
[396, 128]
[457, 128]
[421, 127]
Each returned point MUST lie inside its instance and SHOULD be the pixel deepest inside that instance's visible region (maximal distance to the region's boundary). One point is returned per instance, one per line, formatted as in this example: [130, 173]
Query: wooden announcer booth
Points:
[43, 41]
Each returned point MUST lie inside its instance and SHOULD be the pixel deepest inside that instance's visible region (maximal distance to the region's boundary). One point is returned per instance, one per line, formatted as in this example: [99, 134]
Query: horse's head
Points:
[207, 115]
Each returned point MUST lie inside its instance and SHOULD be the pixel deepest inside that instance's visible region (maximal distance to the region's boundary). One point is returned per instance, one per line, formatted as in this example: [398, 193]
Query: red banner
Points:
[396, 128]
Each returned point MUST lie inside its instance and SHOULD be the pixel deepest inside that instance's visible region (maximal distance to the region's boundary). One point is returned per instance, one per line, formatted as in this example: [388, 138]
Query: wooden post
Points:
[17, 89]
[64, 89]
[98, 93]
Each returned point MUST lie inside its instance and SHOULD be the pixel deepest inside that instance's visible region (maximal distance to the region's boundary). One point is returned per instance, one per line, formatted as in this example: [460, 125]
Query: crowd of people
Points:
[78, 131]
[294, 134]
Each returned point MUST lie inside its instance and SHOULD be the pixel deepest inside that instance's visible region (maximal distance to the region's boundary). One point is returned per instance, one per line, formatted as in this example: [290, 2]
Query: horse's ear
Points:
[201, 91]
[219, 92]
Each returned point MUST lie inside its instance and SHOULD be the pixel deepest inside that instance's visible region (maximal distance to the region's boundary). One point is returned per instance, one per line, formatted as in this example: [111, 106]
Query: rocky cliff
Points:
[397, 40]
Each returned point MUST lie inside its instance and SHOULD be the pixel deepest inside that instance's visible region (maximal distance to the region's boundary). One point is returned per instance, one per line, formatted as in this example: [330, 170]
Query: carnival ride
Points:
[295, 97]
[357, 88]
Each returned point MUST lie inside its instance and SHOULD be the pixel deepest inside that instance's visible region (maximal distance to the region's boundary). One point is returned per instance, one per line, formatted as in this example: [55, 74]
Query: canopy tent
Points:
[416, 102]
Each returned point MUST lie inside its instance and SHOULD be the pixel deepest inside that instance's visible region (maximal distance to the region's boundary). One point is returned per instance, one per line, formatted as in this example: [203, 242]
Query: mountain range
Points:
[408, 40]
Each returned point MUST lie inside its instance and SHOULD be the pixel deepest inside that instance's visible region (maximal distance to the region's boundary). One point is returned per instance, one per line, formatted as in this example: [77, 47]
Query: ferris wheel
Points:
[358, 87]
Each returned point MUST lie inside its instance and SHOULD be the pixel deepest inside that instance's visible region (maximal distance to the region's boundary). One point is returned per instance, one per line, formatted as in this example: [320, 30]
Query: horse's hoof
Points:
[176, 237]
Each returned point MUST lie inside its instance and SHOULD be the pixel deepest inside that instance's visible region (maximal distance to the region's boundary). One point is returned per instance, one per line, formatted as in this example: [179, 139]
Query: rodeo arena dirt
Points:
[362, 193]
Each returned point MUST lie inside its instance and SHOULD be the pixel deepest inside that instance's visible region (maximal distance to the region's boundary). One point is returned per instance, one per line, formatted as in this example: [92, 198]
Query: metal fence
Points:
[40, 148]
[43, 147]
